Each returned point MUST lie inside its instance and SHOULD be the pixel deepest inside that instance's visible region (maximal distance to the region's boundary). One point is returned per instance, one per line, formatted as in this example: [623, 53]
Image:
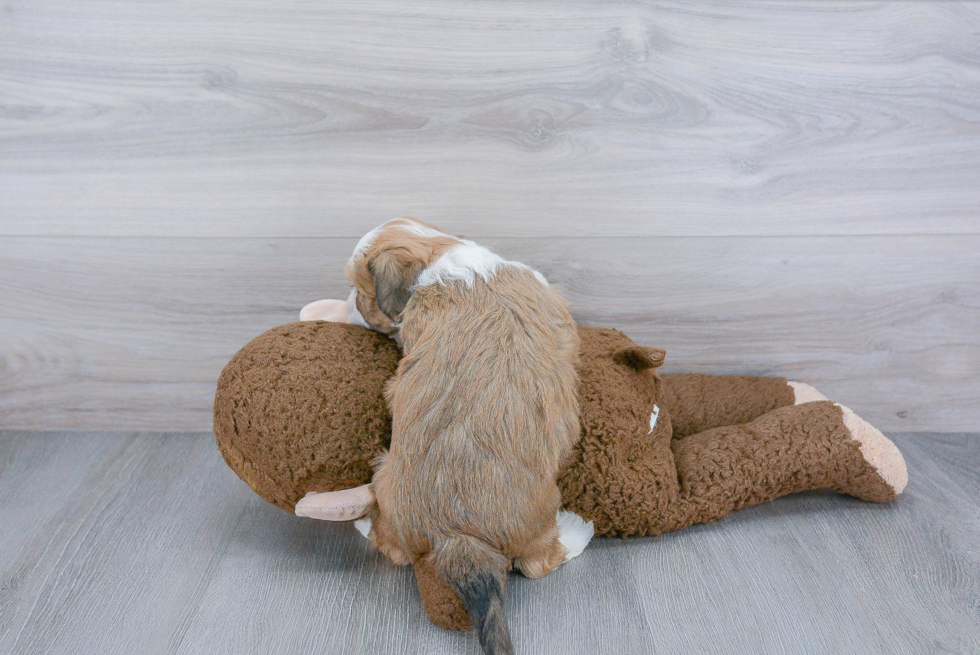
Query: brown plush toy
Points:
[300, 409]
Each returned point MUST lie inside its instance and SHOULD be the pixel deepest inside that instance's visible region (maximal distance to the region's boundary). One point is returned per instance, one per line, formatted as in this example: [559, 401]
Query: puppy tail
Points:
[477, 573]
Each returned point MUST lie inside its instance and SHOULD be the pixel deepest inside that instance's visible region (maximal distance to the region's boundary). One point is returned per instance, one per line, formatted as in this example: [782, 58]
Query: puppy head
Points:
[384, 267]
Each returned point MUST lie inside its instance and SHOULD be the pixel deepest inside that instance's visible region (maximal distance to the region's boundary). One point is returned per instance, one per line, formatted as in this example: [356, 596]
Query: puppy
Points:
[484, 411]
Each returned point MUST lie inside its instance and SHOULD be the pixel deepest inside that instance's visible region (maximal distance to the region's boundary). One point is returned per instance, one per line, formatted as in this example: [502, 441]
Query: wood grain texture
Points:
[152, 545]
[133, 332]
[761, 187]
[500, 119]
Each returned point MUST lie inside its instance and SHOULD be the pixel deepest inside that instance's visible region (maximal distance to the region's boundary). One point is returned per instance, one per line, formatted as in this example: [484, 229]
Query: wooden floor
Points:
[132, 543]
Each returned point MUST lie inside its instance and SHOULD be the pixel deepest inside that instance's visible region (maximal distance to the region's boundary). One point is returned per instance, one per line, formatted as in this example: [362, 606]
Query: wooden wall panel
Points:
[132, 332]
[250, 118]
[761, 187]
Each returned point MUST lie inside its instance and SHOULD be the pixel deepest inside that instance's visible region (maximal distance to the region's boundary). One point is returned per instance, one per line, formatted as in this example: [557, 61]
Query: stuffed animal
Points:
[299, 415]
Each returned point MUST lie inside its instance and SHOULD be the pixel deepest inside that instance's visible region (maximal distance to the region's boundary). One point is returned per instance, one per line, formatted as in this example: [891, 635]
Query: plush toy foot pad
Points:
[878, 450]
[805, 393]
[325, 310]
[342, 505]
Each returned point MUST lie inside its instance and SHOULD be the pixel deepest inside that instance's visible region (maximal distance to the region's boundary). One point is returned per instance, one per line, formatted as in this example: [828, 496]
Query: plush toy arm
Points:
[343, 505]
[700, 402]
[325, 310]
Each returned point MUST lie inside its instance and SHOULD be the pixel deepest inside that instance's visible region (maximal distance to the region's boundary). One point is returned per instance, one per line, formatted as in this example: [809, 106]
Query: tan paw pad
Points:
[877, 450]
[805, 393]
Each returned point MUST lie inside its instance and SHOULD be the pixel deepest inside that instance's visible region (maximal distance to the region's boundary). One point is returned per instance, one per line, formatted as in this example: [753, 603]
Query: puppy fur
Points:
[484, 403]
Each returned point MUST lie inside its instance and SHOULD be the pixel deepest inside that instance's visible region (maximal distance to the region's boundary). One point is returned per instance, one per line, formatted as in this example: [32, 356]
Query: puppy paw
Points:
[363, 526]
[878, 450]
[574, 533]
[805, 393]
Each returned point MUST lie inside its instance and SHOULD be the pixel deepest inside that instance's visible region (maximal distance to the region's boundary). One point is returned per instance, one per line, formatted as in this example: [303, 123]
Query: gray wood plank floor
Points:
[132, 543]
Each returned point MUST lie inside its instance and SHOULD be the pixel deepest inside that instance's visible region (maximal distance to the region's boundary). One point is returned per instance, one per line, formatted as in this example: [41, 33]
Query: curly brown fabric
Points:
[734, 399]
[441, 603]
[301, 408]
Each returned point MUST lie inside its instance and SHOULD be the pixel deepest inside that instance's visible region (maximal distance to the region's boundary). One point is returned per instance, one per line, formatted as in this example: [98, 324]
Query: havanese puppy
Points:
[484, 411]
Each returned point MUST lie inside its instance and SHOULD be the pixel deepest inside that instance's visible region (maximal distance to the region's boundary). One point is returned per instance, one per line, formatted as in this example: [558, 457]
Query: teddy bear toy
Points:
[299, 415]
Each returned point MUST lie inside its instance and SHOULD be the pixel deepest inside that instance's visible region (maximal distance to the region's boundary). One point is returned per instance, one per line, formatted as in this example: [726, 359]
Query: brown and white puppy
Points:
[484, 410]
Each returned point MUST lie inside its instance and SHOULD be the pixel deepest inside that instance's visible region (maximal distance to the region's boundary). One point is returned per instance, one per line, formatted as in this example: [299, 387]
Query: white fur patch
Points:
[365, 241]
[363, 526]
[408, 225]
[420, 230]
[653, 418]
[353, 315]
[464, 263]
[574, 533]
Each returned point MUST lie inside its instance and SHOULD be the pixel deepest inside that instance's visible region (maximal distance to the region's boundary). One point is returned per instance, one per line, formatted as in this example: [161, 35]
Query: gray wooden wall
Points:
[787, 188]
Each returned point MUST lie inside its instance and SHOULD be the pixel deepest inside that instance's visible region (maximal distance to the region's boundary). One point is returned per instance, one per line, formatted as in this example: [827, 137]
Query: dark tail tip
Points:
[483, 596]
[477, 574]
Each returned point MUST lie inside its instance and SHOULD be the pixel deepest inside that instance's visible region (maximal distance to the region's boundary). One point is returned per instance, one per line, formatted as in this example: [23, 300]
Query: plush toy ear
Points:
[394, 271]
[640, 358]
[344, 505]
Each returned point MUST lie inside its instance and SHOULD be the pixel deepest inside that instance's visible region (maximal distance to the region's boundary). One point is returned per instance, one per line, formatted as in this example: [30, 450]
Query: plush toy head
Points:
[301, 408]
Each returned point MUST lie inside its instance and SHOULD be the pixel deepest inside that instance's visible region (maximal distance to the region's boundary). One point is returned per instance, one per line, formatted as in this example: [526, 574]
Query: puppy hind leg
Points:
[542, 555]
[382, 537]
[562, 540]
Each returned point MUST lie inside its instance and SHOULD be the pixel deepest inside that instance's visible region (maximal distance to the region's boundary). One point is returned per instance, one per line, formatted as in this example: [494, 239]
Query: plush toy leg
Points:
[816, 445]
[700, 402]
[877, 450]
[804, 393]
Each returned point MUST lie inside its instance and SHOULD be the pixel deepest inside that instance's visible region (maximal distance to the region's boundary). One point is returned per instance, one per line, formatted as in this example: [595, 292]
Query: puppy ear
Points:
[394, 272]
[640, 358]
